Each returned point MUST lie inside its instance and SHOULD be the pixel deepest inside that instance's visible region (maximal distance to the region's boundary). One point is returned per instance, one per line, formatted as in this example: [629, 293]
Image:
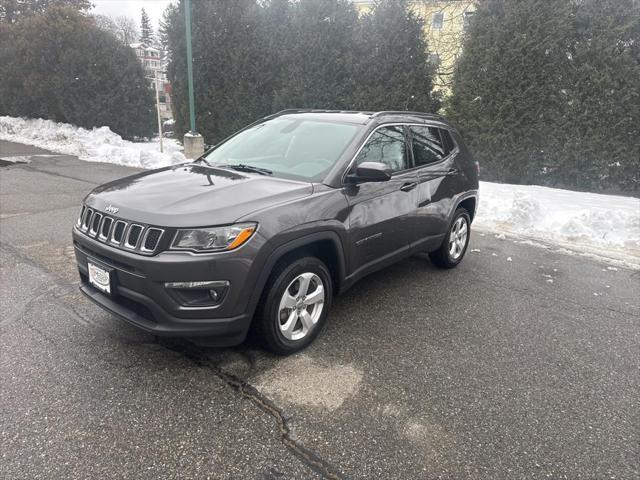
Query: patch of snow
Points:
[586, 222]
[96, 145]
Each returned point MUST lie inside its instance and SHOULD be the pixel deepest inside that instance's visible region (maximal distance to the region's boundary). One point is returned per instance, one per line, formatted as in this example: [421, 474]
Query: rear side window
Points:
[427, 145]
[447, 140]
[387, 146]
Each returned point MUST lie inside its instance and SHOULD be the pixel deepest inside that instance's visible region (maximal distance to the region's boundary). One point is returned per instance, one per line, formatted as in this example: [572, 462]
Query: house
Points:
[154, 62]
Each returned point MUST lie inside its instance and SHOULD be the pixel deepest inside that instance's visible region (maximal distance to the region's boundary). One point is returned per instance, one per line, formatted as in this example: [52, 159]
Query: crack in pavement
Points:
[304, 454]
[192, 353]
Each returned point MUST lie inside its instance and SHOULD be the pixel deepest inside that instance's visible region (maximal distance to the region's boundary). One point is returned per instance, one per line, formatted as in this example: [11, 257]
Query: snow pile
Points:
[585, 221]
[97, 145]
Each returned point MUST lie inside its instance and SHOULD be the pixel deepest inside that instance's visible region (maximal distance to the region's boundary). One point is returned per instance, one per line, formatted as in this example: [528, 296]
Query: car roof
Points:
[360, 117]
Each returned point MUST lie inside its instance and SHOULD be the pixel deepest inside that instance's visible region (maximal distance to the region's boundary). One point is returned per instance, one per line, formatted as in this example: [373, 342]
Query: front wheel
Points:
[295, 306]
[454, 245]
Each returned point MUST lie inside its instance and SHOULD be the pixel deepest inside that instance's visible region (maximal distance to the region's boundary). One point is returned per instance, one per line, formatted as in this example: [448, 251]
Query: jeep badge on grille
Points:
[112, 209]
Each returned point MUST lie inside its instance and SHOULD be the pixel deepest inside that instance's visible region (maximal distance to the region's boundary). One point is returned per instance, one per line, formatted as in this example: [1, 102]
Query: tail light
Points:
[477, 167]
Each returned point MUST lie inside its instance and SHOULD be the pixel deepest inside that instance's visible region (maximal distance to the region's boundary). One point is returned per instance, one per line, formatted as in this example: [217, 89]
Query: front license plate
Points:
[99, 277]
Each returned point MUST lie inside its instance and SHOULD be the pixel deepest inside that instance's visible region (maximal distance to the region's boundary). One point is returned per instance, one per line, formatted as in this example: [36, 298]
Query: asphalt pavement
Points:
[523, 362]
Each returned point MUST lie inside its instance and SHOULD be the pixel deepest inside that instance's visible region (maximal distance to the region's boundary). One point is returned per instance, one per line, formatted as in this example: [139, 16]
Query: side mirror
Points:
[370, 172]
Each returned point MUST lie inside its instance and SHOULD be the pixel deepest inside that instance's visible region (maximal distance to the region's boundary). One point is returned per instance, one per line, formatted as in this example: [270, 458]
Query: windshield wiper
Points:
[248, 168]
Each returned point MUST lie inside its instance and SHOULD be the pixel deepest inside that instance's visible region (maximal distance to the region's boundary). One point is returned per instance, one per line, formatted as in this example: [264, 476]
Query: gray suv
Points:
[265, 228]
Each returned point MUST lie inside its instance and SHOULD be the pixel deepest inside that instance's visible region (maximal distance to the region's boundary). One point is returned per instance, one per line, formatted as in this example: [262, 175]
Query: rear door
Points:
[434, 155]
[381, 213]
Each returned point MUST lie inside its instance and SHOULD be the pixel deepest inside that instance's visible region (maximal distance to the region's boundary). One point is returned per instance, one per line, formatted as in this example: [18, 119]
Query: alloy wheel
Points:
[301, 306]
[458, 238]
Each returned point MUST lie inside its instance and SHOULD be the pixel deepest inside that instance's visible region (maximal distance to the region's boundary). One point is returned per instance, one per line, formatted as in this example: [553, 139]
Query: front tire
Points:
[294, 307]
[455, 243]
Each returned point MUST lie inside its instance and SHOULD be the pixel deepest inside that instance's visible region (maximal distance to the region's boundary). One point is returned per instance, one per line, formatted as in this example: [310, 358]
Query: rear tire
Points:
[294, 306]
[454, 245]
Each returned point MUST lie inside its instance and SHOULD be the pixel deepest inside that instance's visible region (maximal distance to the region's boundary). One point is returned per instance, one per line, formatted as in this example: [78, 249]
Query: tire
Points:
[287, 319]
[453, 247]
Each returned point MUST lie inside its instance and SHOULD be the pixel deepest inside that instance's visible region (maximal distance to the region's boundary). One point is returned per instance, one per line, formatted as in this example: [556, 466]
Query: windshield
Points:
[289, 148]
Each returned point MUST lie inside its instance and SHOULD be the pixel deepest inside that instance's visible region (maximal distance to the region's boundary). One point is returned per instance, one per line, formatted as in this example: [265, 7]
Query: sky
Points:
[116, 8]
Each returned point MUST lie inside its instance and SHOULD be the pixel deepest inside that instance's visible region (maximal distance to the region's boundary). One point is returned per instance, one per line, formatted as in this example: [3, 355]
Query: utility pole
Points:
[193, 141]
[158, 110]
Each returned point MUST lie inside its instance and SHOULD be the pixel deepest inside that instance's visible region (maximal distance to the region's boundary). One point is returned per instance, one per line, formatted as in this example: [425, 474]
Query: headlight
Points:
[213, 239]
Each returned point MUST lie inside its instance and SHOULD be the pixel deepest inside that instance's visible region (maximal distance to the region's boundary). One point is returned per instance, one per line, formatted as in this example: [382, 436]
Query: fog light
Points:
[201, 293]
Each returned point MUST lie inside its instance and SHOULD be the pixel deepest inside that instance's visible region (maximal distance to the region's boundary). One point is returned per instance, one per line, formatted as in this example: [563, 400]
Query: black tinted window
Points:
[427, 146]
[387, 146]
[448, 141]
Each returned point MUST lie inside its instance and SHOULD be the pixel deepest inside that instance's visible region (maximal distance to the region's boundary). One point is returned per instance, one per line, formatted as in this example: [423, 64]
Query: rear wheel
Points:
[455, 243]
[295, 306]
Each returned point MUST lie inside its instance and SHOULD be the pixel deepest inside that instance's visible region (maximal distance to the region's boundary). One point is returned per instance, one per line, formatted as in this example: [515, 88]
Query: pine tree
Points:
[229, 65]
[392, 65]
[146, 31]
[547, 91]
[12, 11]
[319, 56]
[60, 66]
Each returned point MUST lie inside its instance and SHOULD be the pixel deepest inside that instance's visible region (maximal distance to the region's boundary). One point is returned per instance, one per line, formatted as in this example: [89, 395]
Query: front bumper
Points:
[141, 299]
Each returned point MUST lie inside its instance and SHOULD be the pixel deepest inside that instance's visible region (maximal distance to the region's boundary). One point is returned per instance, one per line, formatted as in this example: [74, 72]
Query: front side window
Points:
[426, 145]
[295, 148]
[387, 146]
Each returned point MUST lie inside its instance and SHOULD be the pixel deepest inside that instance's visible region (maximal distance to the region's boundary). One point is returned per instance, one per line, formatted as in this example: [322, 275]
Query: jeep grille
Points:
[119, 233]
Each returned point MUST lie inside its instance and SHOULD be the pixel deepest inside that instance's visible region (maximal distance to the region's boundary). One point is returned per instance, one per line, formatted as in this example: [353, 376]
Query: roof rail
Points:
[314, 110]
[405, 112]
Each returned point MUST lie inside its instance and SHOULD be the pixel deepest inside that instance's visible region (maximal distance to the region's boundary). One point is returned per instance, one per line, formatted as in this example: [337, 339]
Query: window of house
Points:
[427, 145]
[434, 59]
[387, 146]
[466, 19]
[438, 20]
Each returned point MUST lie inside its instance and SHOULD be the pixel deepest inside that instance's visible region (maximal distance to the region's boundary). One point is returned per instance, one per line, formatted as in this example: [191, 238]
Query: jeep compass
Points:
[261, 232]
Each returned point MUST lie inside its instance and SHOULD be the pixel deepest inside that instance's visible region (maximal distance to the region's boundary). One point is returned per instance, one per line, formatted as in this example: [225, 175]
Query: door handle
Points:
[408, 186]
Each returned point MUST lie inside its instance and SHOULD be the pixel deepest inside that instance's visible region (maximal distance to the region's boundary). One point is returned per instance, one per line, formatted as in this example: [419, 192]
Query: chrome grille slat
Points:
[119, 233]
[81, 216]
[134, 231]
[86, 221]
[105, 228]
[96, 222]
[120, 236]
[151, 239]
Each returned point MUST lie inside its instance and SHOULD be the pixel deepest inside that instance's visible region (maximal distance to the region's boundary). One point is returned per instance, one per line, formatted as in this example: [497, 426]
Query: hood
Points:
[192, 195]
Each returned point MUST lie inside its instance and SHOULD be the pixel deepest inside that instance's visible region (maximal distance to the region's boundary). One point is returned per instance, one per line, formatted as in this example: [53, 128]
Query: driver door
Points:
[381, 214]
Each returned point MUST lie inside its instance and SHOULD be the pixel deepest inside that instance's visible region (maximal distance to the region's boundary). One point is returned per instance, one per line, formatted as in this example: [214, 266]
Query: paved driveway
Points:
[521, 363]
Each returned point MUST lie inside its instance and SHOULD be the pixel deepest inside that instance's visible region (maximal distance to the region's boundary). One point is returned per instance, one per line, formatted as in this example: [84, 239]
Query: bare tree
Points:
[128, 29]
[123, 28]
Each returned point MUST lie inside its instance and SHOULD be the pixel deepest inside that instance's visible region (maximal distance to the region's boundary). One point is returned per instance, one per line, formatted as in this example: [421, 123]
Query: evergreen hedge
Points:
[548, 92]
[252, 58]
[60, 66]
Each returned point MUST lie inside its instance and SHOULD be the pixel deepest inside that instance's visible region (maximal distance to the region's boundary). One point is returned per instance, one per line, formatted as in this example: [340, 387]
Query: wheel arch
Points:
[469, 203]
[325, 245]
